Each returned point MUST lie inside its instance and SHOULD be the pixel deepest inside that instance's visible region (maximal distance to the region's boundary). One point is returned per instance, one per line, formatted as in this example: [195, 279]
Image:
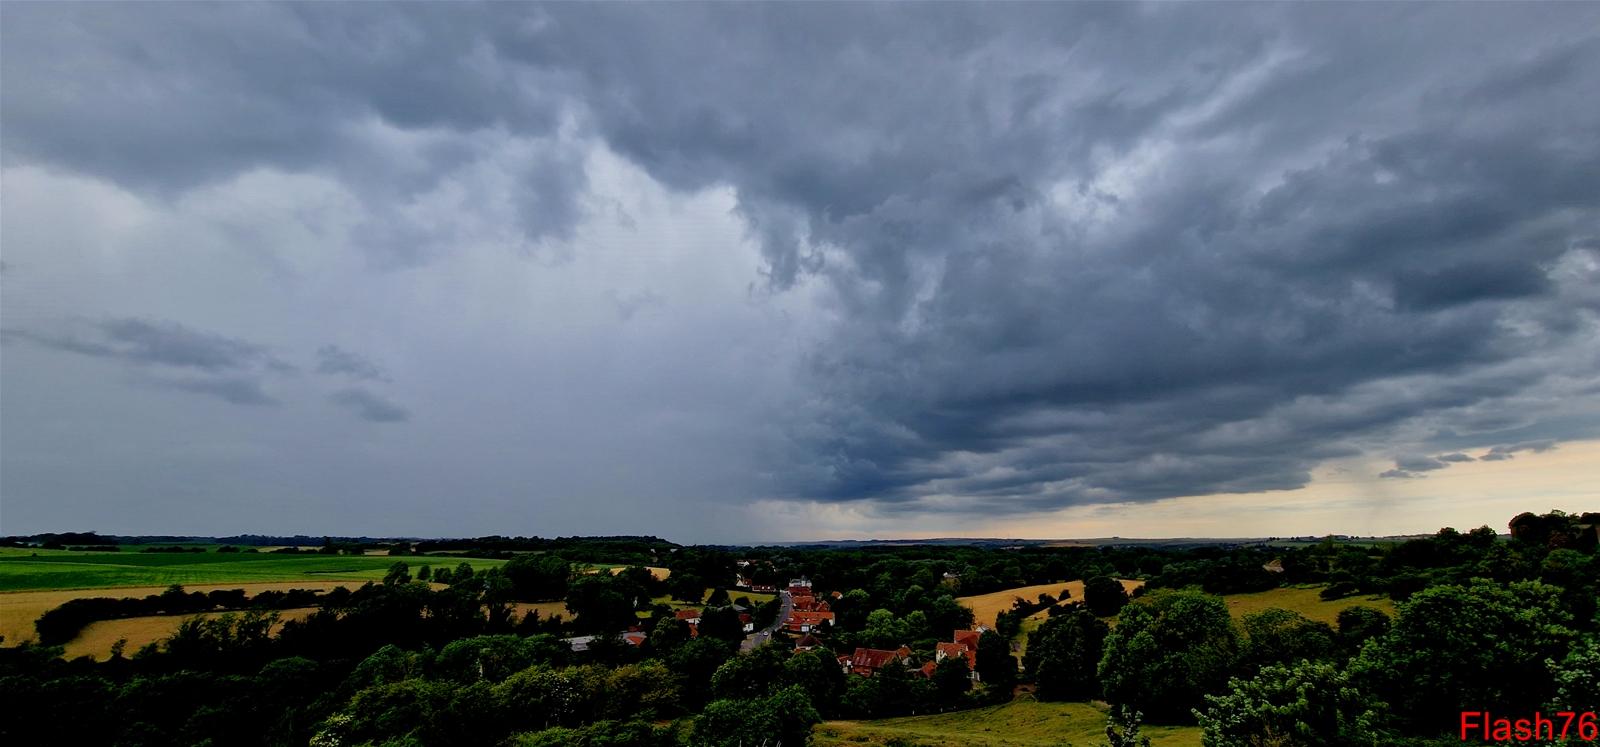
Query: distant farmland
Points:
[25, 570]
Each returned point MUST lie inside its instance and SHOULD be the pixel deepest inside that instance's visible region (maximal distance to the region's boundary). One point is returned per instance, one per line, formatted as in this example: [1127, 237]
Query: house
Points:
[804, 622]
[579, 644]
[747, 622]
[867, 661]
[634, 638]
[689, 616]
[799, 583]
[963, 643]
[808, 603]
[807, 642]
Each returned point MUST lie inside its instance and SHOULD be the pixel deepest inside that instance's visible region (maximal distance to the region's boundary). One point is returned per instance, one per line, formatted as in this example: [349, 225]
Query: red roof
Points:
[927, 669]
[808, 618]
[872, 658]
[807, 641]
[967, 637]
[956, 649]
[688, 614]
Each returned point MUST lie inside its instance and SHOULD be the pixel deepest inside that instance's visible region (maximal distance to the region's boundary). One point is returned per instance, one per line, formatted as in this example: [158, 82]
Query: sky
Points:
[774, 272]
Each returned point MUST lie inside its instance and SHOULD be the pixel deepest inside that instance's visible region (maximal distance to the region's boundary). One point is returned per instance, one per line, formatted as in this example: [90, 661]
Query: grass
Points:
[69, 570]
[1023, 722]
[1304, 600]
[986, 606]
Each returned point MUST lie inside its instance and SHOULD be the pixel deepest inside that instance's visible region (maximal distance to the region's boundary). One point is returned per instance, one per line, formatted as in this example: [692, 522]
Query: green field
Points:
[1023, 722]
[28, 570]
[1304, 600]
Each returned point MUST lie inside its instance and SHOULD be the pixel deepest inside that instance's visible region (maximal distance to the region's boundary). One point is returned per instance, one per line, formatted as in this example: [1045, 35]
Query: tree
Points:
[686, 588]
[398, 573]
[1456, 648]
[1357, 625]
[951, 681]
[1166, 653]
[538, 578]
[748, 675]
[1122, 729]
[1104, 595]
[695, 661]
[997, 668]
[784, 718]
[597, 606]
[668, 634]
[884, 629]
[1278, 636]
[1063, 654]
[1307, 704]
[1577, 677]
[721, 623]
[818, 674]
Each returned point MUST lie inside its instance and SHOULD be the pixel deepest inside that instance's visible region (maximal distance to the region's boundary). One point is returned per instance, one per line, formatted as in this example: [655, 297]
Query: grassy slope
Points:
[985, 606]
[1023, 722]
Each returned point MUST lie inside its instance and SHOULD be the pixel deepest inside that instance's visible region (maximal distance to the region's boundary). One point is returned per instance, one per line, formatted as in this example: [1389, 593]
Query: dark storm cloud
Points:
[369, 406]
[200, 95]
[1072, 253]
[334, 360]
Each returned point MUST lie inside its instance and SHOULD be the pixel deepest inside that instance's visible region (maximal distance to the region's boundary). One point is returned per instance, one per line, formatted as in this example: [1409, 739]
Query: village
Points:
[805, 622]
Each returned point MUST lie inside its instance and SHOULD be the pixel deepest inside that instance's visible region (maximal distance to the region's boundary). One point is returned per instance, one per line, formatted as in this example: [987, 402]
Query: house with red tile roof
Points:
[807, 642]
[867, 661]
[689, 616]
[809, 603]
[805, 622]
[963, 643]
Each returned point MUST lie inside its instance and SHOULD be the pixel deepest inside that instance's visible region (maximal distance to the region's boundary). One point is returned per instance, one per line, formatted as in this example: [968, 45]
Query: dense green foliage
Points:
[1165, 655]
[1064, 653]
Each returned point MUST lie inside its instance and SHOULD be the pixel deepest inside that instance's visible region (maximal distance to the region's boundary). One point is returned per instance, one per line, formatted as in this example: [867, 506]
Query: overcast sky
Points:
[765, 272]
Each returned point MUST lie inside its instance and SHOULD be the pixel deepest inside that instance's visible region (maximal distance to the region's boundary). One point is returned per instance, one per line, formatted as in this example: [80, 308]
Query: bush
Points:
[1308, 704]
